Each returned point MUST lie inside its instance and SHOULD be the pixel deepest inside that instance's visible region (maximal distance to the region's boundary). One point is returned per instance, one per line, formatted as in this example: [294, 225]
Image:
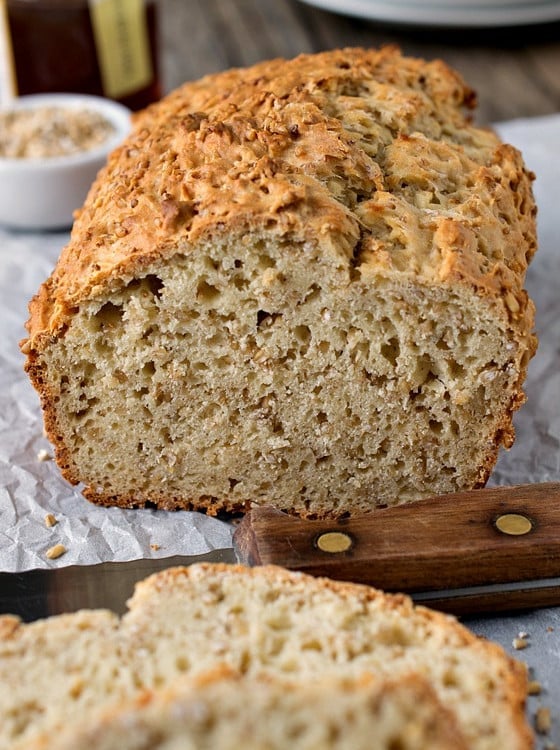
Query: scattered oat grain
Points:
[50, 521]
[534, 687]
[155, 547]
[519, 643]
[57, 551]
[542, 720]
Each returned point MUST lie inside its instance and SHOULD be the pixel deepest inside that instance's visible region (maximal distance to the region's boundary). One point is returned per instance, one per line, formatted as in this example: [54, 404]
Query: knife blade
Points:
[38, 593]
[489, 550]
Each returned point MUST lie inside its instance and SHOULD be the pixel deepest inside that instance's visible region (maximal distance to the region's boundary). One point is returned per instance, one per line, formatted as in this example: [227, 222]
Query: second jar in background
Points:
[102, 47]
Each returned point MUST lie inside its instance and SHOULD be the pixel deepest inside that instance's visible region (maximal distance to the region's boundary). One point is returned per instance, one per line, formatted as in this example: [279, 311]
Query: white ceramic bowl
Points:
[42, 193]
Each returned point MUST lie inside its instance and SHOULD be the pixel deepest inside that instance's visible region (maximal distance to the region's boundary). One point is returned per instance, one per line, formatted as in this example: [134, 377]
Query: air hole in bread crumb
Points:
[155, 285]
[200, 366]
[222, 362]
[262, 317]
[456, 370]
[313, 292]
[302, 334]
[108, 316]
[435, 426]
[182, 664]
[391, 350]
[240, 283]
[206, 292]
[265, 261]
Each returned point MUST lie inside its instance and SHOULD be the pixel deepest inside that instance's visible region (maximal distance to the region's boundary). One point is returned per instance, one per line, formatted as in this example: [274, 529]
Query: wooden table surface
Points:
[515, 72]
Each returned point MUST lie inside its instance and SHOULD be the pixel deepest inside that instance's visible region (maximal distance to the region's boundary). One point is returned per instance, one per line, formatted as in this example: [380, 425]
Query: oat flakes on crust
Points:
[276, 118]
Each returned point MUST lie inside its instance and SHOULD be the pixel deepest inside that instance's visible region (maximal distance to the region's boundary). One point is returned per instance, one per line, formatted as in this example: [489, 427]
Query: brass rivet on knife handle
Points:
[334, 542]
[513, 524]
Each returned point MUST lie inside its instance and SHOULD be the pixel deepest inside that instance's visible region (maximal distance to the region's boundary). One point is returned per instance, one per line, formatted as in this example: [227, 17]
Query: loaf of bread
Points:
[299, 284]
[267, 621]
[221, 711]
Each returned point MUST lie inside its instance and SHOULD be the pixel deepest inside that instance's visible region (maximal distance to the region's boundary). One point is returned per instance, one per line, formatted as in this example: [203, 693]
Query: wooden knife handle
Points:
[490, 536]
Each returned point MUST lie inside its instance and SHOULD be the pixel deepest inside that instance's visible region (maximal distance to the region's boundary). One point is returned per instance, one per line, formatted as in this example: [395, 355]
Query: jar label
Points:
[8, 86]
[123, 49]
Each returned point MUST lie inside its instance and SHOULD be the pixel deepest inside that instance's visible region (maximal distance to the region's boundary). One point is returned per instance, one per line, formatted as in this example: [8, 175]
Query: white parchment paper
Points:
[31, 488]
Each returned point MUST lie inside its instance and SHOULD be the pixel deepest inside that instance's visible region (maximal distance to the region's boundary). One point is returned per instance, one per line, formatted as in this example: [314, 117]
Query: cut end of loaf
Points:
[241, 375]
[306, 291]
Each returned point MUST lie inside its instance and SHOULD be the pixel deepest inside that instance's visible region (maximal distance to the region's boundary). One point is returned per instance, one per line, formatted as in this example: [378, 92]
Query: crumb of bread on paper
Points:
[50, 520]
[155, 547]
[43, 455]
[520, 643]
[543, 721]
[534, 687]
[55, 551]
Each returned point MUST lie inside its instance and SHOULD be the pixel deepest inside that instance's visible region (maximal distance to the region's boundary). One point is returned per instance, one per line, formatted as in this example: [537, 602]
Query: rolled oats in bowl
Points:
[51, 149]
[47, 131]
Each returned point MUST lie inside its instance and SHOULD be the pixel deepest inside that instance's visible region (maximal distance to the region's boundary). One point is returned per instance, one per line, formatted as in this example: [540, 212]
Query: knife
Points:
[490, 550]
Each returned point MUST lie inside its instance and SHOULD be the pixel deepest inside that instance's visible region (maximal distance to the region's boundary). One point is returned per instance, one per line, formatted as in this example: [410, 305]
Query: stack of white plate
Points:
[459, 13]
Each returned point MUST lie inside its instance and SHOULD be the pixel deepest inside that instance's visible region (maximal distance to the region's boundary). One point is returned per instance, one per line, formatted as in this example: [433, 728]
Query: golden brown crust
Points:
[9, 625]
[246, 147]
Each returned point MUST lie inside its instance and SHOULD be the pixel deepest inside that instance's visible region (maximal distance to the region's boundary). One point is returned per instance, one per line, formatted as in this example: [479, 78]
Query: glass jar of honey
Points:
[103, 47]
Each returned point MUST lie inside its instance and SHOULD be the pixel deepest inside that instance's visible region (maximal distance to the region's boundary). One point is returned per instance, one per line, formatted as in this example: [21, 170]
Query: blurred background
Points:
[514, 69]
[507, 50]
